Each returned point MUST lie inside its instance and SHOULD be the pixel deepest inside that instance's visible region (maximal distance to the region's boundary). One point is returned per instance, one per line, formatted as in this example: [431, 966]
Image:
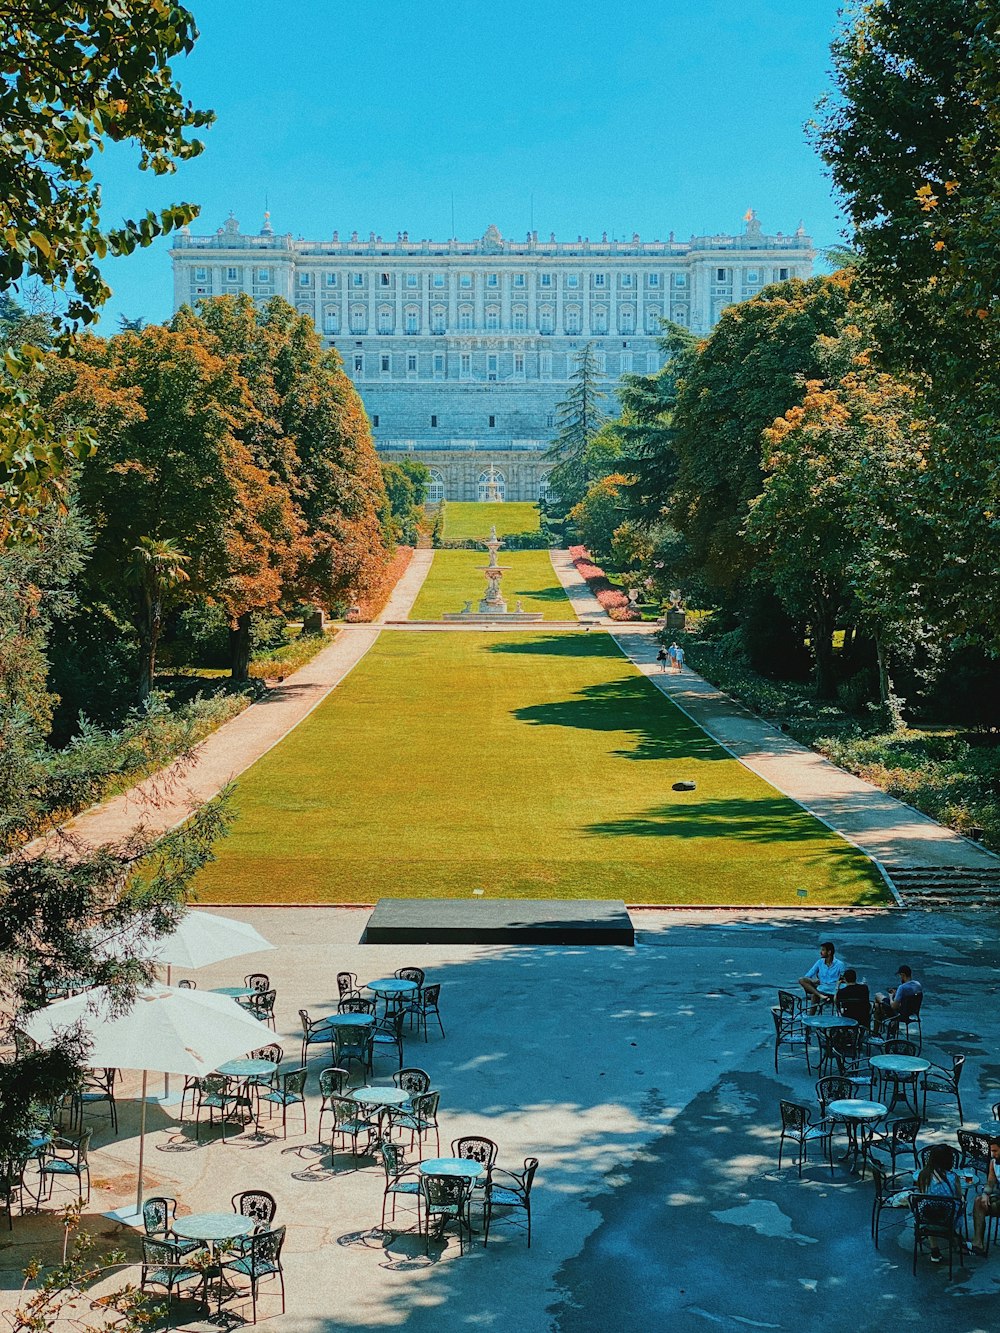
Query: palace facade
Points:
[462, 350]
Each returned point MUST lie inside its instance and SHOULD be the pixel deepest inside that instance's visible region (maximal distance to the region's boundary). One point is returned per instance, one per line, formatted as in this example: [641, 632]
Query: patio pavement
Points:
[643, 1079]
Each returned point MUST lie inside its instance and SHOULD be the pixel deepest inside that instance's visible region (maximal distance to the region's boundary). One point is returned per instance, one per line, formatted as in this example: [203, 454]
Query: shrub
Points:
[613, 600]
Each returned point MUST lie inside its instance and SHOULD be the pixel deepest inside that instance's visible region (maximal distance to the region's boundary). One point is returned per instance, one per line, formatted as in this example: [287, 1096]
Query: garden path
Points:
[168, 797]
[888, 830]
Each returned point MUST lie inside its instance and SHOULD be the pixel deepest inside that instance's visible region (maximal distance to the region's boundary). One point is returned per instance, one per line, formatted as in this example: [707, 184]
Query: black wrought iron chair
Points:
[158, 1213]
[350, 1122]
[260, 1259]
[797, 1126]
[347, 984]
[352, 1045]
[356, 1004]
[98, 1086]
[258, 1204]
[258, 981]
[887, 1195]
[429, 1000]
[975, 1149]
[315, 1031]
[290, 1092]
[224, 1100]
[164, 1268]
[832, 1088]
[401, 1178]
[510, 1192]
[387, 1037]
[941, 1079]
[412, 1080]
[936, 1218]
[787, 1033]
[910, 1021]
[420, 1118]
[446, 1202]
[65, 1158]
[898, 1138]
[332, 1082]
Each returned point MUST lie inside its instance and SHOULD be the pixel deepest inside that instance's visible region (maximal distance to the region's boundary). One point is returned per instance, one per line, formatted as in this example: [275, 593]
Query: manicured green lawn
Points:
[529, 765]
[456, 577]
[468, 518]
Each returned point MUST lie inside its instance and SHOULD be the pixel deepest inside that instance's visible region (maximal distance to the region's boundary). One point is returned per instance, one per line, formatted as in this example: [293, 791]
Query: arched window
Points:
[412, 319]
[495, 482]
[465, 318]
[437, 319]
[572, 319]
[359, 319]
[519, 319]
[492, 319]
[626, 319]
[545, 319]
[385, 319]
[331, 320]
[599, 319]
[544, 489]
[435, 487]
[653, 319]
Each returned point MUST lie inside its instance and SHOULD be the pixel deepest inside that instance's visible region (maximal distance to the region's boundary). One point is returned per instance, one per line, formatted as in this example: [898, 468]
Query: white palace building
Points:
[461, 350]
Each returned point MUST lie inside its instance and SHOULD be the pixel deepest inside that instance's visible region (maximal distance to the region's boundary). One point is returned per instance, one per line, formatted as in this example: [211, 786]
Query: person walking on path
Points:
[678, 658]
[661, 657]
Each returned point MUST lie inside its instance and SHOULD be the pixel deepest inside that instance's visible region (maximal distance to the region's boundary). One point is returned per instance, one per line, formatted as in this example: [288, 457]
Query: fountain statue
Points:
[492, 605]
[491, 491]
[493, 600]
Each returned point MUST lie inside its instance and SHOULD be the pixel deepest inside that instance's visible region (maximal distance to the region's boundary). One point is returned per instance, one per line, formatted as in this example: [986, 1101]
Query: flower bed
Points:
[613, 600]
[394, 571]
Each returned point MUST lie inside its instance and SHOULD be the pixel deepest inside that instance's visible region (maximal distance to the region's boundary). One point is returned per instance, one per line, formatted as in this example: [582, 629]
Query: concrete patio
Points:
[643, 1079]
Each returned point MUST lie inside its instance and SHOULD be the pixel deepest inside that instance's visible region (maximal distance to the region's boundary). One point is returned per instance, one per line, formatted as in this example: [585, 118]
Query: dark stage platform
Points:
[498, 921]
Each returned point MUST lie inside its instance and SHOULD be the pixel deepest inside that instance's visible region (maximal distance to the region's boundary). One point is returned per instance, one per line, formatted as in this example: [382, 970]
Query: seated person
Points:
[988, 1203]
[853, 1000]
[939, 1177]
[903, 1000]
[820, 983]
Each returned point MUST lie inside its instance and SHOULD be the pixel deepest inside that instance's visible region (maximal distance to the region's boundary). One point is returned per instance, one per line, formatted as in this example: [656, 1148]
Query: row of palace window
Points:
[722, 277]
[572, 320]
[626, 363]
[491, 485]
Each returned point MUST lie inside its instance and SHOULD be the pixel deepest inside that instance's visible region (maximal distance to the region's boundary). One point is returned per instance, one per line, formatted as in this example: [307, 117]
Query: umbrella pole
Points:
[166, 1077]
[142, 1144]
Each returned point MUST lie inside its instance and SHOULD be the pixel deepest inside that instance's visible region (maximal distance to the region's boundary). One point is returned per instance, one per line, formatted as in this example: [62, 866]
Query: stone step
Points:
[946, 886]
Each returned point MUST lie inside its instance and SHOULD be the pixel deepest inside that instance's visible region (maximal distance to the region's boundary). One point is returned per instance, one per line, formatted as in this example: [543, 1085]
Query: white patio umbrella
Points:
[166, 1031]
[198, 940]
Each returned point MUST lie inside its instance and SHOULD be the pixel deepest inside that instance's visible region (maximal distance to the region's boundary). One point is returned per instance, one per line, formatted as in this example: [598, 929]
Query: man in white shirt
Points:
[820, 983]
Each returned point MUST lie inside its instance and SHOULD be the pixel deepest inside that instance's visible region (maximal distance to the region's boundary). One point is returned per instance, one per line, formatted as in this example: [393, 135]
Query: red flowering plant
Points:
[612, 599]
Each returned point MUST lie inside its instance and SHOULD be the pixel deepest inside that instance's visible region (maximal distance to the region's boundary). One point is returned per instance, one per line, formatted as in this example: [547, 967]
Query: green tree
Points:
[600, 514]
[579, 418]
[158, 566]
[80, 74]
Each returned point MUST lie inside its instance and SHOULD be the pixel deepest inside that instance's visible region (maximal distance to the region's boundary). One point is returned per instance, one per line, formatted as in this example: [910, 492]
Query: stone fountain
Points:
[492, 604]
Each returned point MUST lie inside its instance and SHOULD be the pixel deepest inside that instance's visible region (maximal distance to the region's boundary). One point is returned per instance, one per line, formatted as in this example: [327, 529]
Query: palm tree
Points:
[157, 568]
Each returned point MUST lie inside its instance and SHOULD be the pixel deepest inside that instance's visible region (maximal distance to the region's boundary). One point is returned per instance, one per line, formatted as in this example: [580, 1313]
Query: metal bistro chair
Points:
[937, 1218]
[797, 1125]
[12, 1186]
[911, 1020]
[291, 1092]
[332, 1082]
[347, 984]
[356, 1004]
[975, 1149]
[387, 1037]
[349, 1121]
[67, 1157]
[400, 1178]
[261, 1005]
[412, 1080]
[221, 1097]
[446, 1200]
[352, 1044]
[420, 1118]
[898, 1137]
[258, 1204]
[887, 1195]
[163, 1267]
[97, 1087]
[831, 1089]
[259, 1082]
[511, 1193]
[158, 1215]
[410, 1004]
[429, 1000]
[314, 1031]
[941, 1079]
[260, 1259]
[788, 1032]
[258, 981]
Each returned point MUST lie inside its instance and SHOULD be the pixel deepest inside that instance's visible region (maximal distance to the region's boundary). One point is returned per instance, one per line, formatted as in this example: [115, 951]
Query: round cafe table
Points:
[452, 1166]
[349, 1021]
[824, 1024]
[235, 992]
[213, 1228]
[858, 1115]
[247, 1068]
[392, 991]
[902, 1071]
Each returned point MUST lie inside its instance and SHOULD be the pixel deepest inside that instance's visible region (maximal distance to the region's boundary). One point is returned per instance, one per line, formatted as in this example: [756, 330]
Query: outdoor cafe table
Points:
[824, 1023]
[235, 992]
[858, 1115]
[903, 1070]
[452, 1166]
[349, 1021]
[384, 1099]
[392, 990]
[213, 1228]
[244, 1069]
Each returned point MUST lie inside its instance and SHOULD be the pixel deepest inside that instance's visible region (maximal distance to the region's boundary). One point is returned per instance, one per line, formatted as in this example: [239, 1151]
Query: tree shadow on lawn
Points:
[630, 705]
[564, 644]
[771, 819]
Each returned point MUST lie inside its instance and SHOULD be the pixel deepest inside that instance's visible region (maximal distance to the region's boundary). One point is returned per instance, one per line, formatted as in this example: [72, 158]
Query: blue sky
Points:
[650, 117]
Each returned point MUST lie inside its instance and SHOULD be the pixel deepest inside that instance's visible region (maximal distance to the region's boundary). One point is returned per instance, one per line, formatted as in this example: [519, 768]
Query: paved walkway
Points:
[886, 829]
[168, 797]
[575, 587]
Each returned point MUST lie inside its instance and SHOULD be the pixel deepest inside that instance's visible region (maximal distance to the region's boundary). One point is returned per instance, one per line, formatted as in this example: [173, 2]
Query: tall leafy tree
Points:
[579, 418]
[646, 428]
[158, 567]
[78, 75]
